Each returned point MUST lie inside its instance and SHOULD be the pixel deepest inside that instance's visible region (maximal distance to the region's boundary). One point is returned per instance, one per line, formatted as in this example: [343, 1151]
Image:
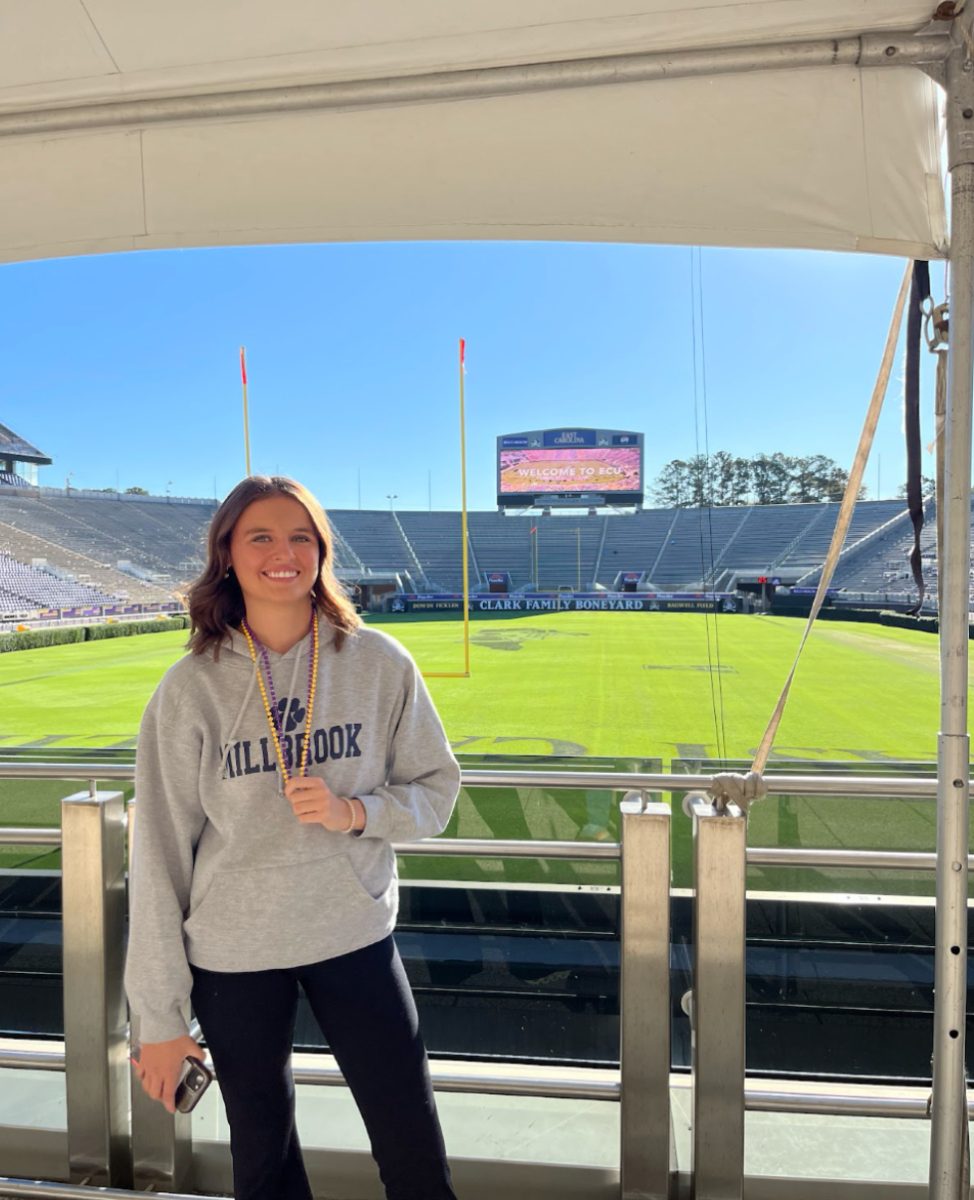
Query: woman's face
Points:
[274, 551]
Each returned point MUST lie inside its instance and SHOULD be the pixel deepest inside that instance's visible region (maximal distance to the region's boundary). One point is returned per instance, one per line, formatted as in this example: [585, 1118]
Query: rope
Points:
[696, 300]
[845, 511]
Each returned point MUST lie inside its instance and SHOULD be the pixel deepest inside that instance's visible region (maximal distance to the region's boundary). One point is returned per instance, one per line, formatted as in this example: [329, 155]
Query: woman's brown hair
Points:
[215, 601]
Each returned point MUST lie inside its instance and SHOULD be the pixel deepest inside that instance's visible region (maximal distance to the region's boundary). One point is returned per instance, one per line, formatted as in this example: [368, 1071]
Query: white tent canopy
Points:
[829, 157]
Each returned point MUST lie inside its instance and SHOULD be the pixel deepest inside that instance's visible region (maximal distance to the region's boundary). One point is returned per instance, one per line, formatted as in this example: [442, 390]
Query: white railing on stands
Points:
[125, 497]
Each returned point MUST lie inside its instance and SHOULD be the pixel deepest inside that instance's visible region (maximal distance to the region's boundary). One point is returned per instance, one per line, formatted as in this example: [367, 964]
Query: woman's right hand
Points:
[159, 1066]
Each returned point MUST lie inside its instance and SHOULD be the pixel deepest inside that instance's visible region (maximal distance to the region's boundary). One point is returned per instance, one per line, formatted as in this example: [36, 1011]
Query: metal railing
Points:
[155, 1150]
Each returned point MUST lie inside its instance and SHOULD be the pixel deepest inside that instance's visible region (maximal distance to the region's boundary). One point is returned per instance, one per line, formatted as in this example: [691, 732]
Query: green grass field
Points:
[628, 686]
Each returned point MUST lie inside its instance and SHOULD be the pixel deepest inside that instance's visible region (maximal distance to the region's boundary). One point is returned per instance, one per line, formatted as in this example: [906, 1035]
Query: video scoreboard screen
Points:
[566, 466]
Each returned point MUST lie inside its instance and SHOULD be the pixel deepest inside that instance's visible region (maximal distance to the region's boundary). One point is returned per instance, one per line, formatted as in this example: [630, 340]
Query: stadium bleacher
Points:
[502, 543]
[436, 539]
[693, 549]
[23, 587]
[883, 566]
[88, 535]
[161, 537]
[807, 552]
[768, 533]
[374, 537]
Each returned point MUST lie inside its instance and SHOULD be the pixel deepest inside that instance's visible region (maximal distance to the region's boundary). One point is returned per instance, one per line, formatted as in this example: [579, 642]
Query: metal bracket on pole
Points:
[717, 1006]
[949, 1137]
[162, 1144]
[95, 1018]
[647, 1158]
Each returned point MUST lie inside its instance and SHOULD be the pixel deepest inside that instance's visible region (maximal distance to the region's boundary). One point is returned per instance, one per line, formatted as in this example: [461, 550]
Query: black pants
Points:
[366, 1011]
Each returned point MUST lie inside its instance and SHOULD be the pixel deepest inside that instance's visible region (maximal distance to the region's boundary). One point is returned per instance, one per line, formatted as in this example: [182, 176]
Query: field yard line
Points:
[916, 657]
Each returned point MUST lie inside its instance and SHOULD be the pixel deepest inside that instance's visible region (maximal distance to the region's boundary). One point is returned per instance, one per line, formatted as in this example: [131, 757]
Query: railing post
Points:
[162, 1144]
[646, 1162]
[717, 1006]
[95, 1018]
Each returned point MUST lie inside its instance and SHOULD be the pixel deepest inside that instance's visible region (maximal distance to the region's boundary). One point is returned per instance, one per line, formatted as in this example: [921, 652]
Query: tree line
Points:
[715, 480]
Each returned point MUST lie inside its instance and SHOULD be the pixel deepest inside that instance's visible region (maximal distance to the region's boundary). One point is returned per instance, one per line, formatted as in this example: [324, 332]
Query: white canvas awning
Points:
[830, 157]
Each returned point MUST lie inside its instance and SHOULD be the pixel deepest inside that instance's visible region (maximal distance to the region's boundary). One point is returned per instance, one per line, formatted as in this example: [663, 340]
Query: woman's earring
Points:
[226, 573]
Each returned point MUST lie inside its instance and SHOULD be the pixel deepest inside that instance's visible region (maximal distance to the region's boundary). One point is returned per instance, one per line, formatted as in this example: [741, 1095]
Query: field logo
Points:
[500, 638]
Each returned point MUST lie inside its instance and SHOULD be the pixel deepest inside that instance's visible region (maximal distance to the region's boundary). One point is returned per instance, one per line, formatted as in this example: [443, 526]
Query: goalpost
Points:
[464, 548]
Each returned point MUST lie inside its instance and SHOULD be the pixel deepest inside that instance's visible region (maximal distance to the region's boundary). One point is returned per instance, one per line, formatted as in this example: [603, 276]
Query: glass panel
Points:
[533, 814]
[31, 1002]
[517, 958]
[840, 960]
[30, 912]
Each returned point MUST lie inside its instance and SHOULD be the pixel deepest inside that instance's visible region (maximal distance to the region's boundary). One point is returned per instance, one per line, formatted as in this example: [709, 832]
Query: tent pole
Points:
[891, 49]
[949, 1153]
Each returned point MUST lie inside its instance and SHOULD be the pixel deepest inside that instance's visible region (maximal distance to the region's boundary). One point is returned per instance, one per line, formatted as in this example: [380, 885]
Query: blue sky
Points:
[124, 368]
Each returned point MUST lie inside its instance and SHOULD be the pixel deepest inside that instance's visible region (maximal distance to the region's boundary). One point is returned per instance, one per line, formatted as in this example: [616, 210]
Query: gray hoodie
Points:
[224, 875]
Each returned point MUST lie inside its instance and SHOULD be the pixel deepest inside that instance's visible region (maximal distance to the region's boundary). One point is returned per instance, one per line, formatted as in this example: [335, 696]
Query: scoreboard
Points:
[569, 467]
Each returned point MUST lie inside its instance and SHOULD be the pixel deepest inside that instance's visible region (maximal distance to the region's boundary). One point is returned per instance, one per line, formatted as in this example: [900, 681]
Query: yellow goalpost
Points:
[465, 673]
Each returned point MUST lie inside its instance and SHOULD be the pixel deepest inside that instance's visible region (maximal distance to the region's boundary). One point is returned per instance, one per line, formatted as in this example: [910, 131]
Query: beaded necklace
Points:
[274, 721]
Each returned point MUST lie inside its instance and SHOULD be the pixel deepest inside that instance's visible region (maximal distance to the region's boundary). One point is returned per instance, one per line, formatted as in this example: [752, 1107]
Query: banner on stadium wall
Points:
[103, 610]
[571, 602]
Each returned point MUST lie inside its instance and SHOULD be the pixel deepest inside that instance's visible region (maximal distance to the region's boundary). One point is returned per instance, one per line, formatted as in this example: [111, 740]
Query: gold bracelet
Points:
[354, 814]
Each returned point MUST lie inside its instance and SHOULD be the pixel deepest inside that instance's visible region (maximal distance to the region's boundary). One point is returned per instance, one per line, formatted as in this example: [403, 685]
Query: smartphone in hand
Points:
[194, 1081]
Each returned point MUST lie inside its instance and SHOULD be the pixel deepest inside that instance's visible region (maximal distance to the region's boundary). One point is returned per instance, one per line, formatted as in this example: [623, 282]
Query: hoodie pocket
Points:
[286, 903]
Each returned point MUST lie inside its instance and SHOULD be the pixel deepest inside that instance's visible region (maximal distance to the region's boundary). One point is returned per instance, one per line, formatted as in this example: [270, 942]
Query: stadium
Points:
[630, 985]
[68, 551]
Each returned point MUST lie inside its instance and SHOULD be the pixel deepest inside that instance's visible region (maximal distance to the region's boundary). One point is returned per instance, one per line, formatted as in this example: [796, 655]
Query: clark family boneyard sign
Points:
[569, 602]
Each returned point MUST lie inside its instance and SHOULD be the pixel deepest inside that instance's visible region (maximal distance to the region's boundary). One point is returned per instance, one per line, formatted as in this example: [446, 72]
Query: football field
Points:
[639, 687]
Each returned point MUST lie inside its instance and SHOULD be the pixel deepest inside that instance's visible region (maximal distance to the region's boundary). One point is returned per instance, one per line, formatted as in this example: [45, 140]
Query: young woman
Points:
[276, 763]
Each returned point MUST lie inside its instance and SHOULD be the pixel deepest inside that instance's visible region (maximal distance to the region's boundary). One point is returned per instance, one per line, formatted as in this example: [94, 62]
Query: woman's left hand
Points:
[314, 803]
